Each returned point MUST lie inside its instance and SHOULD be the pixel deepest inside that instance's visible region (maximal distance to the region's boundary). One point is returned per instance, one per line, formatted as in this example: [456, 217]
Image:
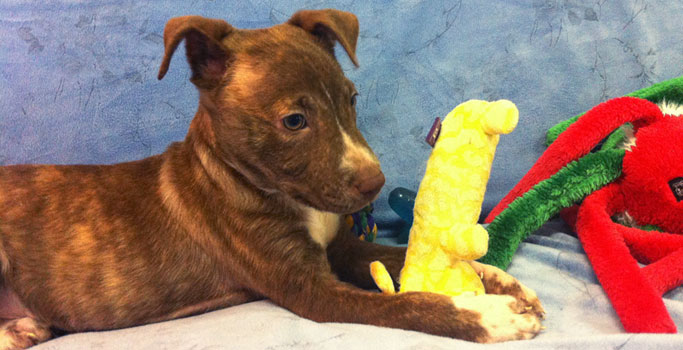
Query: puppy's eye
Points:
[294, 122]
[353, 99]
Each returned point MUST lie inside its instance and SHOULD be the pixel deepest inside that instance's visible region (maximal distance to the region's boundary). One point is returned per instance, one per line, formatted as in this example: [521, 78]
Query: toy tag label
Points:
[433, 134]
[677, 188]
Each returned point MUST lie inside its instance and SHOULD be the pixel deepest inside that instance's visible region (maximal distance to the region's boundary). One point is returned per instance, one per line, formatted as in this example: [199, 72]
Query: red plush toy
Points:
[649, 190]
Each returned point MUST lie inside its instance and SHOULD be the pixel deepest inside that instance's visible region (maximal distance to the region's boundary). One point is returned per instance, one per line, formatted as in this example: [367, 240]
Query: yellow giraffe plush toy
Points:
[445, 235]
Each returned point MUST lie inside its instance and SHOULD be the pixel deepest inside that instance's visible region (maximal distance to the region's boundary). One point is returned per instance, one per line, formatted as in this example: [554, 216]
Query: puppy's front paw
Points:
[22, 333]
[497, 281]
[503, 317]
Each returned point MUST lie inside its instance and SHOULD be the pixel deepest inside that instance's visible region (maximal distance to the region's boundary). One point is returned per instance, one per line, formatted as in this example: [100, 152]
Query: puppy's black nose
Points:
[368, 184]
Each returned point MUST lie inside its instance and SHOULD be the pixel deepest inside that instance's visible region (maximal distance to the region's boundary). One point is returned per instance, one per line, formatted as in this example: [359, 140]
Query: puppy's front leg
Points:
[300, 279]
[350, 258]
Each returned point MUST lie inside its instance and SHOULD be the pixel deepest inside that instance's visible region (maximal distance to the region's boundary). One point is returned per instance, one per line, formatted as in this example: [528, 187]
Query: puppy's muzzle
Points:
[369, 182]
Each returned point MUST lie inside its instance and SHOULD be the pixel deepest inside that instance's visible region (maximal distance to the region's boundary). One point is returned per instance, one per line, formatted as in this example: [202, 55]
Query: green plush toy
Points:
[520, 214]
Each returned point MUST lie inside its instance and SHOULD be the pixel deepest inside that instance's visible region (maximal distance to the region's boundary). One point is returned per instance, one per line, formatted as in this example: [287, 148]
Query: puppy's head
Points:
[279, 108]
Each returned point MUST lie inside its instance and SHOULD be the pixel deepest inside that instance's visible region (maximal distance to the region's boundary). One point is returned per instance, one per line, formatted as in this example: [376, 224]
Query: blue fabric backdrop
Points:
[78, 79]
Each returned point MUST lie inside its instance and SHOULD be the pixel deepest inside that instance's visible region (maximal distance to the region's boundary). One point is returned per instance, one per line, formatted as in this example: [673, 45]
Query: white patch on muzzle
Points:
[355, 154]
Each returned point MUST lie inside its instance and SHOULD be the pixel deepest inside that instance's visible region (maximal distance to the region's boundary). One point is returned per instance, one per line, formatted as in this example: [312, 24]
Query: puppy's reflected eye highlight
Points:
[353, 99]
[294, 122]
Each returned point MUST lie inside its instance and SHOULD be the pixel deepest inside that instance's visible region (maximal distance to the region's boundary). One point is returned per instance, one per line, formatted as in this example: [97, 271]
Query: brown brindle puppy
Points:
[246, 207]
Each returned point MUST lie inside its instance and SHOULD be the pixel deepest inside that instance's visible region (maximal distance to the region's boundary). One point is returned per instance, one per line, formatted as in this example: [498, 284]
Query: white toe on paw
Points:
[530, 298]
[502, 316]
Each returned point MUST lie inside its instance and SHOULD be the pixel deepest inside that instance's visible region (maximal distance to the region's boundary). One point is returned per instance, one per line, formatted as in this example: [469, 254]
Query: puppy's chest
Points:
[322, 226]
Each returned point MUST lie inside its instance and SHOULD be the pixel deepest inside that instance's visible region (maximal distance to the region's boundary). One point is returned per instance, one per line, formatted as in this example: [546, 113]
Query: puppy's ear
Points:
[329, 26]
[206, 54]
